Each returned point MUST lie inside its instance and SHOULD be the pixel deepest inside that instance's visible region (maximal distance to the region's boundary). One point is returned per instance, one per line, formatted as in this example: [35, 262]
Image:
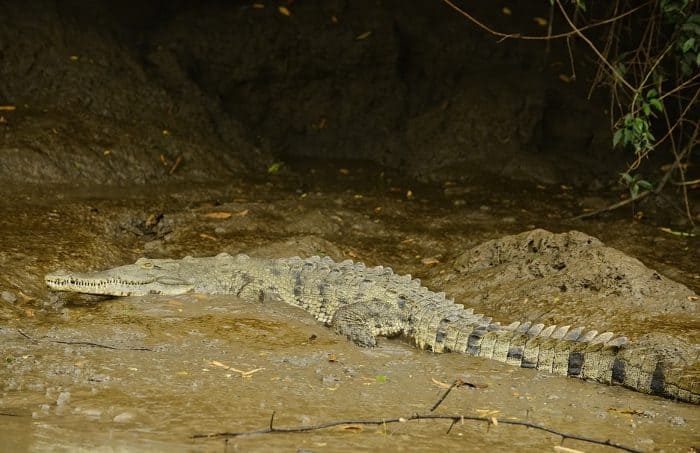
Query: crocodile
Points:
[362, 303]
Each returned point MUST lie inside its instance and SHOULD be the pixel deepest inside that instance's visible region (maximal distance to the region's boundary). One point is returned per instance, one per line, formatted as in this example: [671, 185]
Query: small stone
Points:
[63, 399]
[8, 297]
[123, 417]
[677, 421]
[330, 379]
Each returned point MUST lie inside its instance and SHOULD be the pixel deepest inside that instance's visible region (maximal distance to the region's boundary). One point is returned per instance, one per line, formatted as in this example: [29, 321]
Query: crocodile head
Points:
[145, 276]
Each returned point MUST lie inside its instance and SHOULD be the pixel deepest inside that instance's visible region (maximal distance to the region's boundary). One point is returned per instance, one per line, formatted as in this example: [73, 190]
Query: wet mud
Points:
[151, 372]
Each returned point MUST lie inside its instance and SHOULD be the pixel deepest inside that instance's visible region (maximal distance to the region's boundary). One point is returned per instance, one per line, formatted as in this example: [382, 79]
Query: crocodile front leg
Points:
[362, 322]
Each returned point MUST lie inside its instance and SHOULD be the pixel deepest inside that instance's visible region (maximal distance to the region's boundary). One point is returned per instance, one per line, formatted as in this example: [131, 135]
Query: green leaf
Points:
[275, 167]
[691, 27]
[617, 137]
[380, 378]
[626, 177]
[688, 44]
[657, 105]
[644, 184]
[646, 109]
[652, 93]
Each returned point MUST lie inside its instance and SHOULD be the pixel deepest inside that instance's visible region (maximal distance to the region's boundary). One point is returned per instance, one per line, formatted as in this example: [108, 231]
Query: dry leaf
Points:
[354, 428]
[220, 215]
[566, 450]
[364, 35]
[506, 11]
[207, 236]
[284, 11]
[541, 21]
[7, 108]
[430, 261]
[343, 171]
[494, 421]
[565, 78]
[440, 384]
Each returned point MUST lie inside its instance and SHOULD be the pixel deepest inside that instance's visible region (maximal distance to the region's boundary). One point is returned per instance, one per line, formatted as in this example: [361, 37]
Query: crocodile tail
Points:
[602, 357]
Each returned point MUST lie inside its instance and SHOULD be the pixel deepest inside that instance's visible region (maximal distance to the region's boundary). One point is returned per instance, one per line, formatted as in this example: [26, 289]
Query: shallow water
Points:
[217, 364]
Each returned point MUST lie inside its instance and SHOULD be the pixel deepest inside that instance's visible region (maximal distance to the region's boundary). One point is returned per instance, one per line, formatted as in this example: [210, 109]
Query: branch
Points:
[83, 343]
[577, 31]
[539, 38]
[454, 418]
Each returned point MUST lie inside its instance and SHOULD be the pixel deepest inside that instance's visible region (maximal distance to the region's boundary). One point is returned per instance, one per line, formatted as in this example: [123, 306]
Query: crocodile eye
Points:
[146, 265]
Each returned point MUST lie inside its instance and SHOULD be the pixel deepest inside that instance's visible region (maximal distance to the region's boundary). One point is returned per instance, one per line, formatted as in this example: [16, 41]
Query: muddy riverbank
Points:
[152, 372]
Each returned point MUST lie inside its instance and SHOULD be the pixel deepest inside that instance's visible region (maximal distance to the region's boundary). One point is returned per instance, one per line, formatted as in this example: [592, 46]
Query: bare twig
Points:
[539, 37]
[595, 50]
[456, 383]
[82, 343]
[378, 422]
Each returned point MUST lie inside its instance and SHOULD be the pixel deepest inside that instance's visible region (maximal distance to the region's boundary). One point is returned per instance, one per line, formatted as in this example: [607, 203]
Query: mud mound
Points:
[543, 263]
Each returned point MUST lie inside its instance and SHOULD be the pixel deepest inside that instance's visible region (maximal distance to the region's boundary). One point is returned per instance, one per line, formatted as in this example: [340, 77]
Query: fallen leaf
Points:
[207, 236]
[430, 261]
[541, 21]
[275, 167]
[506, 11]
[440, 384]
[74, 58]
[344, 171]
[219, 215]
[284, 11]
[566, 78]
[7, 108]
[364, 35]
[494, 421]
[355, 428]
[566, 450]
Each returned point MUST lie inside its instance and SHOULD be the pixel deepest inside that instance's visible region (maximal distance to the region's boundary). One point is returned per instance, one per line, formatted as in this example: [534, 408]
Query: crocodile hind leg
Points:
[362, 322]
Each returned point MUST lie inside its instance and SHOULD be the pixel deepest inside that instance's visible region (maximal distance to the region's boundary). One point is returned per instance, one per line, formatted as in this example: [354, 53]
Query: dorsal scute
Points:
[603, 338]
[587, 336]
[573, 334]
[559, 332]
[547, 331]
[535, 330]
[524, 327]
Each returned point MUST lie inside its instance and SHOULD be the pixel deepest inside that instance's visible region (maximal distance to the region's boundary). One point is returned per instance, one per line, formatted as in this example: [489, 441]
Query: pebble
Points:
[8, 297]
[63, 399]
[678, 421]
[123, 417]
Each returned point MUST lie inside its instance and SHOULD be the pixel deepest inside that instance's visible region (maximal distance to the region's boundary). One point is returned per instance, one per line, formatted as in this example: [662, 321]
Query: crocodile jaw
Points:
[111, 283]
